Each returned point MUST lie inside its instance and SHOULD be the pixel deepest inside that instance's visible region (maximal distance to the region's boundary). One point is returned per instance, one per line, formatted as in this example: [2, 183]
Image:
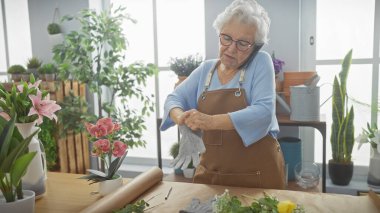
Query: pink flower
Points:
[106, 123]
[97, 131]
[119, 149]
[20, 87]
[42, 107]
[101, 146]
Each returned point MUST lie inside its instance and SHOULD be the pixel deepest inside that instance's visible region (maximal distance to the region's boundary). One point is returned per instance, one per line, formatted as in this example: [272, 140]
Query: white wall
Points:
[41, 14]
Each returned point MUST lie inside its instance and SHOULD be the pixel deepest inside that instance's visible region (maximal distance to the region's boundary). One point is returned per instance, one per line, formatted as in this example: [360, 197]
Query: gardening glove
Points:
[190, 147]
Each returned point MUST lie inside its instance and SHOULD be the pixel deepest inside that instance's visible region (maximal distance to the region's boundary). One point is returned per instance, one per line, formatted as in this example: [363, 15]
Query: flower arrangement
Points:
[106, 145]
[370, 135]
[184, 66]
[28, 102]
[277, 64]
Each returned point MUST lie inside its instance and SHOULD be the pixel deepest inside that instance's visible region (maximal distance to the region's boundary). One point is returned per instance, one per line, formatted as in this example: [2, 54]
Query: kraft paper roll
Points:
[128, 193]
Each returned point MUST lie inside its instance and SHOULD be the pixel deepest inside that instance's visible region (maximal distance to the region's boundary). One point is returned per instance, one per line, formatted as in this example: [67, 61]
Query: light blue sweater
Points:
[253, 122]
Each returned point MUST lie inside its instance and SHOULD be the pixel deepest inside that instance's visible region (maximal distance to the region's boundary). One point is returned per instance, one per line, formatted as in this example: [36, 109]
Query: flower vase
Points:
[35, 176]
[108, 186]
[373, 179]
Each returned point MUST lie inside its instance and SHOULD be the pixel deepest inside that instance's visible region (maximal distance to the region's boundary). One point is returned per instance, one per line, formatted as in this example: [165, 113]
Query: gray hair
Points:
[246, 11]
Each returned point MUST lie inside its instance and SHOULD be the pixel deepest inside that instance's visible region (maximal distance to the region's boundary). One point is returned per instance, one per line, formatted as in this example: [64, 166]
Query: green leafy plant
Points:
[184, 66]
[94, 55]
[226, 203]
[342, 127]
[49, 68]
[138, 207]
[53, 28]
[16, 69]
[14, 159]
[33, 63]
[74, 114]
[47, 136]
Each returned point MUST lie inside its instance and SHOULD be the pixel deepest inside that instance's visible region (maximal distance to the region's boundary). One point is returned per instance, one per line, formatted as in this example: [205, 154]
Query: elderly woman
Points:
[232, 101]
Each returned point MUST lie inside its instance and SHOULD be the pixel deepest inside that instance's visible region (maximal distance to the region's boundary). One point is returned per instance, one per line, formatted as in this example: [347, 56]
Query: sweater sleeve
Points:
[255, 121]
[184, 96]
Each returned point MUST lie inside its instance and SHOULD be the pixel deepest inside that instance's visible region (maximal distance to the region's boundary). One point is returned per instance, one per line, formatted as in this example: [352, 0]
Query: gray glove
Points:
[190, 147]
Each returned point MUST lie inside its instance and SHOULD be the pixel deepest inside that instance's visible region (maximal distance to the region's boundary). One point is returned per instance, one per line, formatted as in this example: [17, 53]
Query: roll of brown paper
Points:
[128, 193]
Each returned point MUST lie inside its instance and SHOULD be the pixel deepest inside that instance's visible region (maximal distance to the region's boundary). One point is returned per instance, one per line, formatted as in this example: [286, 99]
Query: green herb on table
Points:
[137, 207]
[226, 203]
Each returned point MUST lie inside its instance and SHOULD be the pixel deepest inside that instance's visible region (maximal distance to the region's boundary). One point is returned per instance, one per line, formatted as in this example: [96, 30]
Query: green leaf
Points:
[20, 166]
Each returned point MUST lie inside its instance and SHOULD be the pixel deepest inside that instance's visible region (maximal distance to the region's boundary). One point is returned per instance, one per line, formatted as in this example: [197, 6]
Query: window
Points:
[18, 35]
[180, 31]
[342, 25]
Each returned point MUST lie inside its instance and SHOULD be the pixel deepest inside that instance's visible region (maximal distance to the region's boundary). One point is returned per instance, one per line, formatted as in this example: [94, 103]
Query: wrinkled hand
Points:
[196, 120]
[190, 147]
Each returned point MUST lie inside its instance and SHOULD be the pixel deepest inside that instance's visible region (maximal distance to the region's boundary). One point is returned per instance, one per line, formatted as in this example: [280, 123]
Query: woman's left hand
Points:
[198, 121]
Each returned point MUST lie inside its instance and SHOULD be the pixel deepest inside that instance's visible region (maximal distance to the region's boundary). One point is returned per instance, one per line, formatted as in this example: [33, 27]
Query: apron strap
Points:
[211, 73]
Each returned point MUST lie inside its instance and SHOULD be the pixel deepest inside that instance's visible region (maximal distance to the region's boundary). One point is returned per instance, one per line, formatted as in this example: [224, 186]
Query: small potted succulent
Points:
[14, 161]
[183, 67]
[16, 71]
[33, 64]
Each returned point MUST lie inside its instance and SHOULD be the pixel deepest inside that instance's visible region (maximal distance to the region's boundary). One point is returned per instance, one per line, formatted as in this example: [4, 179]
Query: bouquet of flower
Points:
[277, 64]
[28, 102]
[370, 135]
[106, 145]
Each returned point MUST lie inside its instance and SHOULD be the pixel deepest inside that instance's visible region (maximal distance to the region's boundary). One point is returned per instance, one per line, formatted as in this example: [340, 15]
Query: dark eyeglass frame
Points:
[238, 43]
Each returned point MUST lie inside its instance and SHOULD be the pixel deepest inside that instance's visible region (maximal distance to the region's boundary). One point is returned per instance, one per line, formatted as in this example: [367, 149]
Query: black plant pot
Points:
[340, 173]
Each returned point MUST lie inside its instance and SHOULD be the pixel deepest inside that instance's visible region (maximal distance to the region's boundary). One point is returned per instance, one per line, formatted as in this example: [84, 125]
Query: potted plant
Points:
[371, 135]
[48, 72]
[14, 161]
[95, 54]
[33, 64]
[342, 128]
[55, 34]
[183, 67]
[16, 71]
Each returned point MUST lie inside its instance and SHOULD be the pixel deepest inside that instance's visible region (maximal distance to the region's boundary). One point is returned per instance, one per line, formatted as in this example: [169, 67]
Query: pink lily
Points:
[43, 107]
[20, 87]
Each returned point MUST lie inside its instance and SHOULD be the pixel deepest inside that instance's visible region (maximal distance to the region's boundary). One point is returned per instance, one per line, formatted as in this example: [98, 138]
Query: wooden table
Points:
[67, 193]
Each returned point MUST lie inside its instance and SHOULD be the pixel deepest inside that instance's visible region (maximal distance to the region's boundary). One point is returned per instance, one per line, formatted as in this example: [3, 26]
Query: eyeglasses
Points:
[227, 40]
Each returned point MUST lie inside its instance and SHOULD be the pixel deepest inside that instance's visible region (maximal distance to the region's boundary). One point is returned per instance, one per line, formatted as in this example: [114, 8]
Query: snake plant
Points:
[342, 128]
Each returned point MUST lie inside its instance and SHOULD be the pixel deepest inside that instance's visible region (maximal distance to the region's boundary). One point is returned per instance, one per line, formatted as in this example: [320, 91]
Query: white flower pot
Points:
[109, 186]
[25, 205]
[56, 39]
[188, 172]
[373, 179]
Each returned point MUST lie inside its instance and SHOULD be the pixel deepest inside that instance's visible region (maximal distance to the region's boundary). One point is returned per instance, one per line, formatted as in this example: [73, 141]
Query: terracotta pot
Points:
[180, 79]
[340, 173]
[293, 79]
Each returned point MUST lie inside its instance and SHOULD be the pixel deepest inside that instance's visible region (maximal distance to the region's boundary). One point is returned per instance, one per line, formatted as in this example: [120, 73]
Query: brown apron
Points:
[226, 160]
